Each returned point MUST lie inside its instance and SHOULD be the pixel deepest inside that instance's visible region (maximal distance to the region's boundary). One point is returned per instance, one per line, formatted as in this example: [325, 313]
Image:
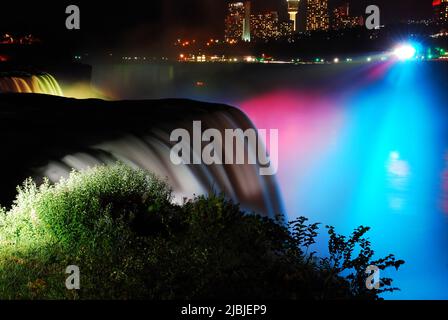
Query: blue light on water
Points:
[388, 171]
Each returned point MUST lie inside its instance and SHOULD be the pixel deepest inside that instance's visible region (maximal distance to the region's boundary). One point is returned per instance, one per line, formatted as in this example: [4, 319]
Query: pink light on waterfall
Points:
[309, 125]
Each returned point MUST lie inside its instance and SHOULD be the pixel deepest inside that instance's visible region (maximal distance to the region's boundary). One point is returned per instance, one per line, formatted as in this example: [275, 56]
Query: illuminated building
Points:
[237, 23]
[234, 22]
[240, 24]
[342, 20]
[440, 11]
[265, 26]
[340, 15]
[293, 9]
[317, 15]
[286, 28]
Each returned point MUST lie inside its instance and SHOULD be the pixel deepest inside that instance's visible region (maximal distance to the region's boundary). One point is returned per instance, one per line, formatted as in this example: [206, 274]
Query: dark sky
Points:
[131, 23]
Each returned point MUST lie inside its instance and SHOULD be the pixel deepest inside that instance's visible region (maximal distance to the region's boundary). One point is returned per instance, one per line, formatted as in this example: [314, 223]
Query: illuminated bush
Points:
[70, 210]
[119, 226]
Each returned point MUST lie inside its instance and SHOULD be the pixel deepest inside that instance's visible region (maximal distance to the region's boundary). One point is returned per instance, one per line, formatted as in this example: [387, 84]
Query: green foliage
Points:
[343, 258]
[120, 227]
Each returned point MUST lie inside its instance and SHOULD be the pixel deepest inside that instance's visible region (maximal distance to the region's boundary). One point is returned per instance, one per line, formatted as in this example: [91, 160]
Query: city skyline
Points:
[242, 23]
[399, 10]
[173, 14]
[135, 27]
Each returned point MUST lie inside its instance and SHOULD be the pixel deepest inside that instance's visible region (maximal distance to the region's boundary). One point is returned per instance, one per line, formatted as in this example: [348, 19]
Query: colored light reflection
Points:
[445, 186]
[83, 90]
[398, 172]
[367, 152]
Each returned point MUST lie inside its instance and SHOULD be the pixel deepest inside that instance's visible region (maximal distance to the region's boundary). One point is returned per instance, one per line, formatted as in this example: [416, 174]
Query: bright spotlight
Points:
[405, 52]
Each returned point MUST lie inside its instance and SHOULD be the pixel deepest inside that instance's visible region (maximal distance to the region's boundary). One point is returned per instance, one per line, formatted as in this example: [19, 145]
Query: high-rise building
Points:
[341, 18]
[265, 26]
[340, 14]
[293, 10]
[237, 22]
[317, 15]
[286, 29]
[440, 11]
[234, 22]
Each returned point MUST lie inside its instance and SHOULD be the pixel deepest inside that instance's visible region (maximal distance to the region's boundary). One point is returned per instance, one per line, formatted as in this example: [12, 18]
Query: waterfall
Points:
[150, 150]
[54, 135]
[42, 83]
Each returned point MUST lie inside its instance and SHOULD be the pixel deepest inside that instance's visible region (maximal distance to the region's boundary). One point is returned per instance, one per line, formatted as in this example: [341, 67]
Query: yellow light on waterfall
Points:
[43, 84]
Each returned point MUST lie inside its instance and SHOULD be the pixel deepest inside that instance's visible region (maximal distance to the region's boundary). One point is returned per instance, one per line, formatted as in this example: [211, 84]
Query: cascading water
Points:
[42, 83]
[56, 135]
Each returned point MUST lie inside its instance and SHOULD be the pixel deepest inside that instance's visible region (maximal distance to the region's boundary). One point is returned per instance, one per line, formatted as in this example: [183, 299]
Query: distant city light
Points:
[405, 52]
[336, 60]
[369, 59]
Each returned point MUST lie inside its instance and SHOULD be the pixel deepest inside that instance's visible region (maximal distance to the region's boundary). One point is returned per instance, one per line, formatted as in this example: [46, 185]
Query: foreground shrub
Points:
[130, 242]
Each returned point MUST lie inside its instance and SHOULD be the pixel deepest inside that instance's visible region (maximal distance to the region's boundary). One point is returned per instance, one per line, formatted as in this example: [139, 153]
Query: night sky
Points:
[132, 24]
